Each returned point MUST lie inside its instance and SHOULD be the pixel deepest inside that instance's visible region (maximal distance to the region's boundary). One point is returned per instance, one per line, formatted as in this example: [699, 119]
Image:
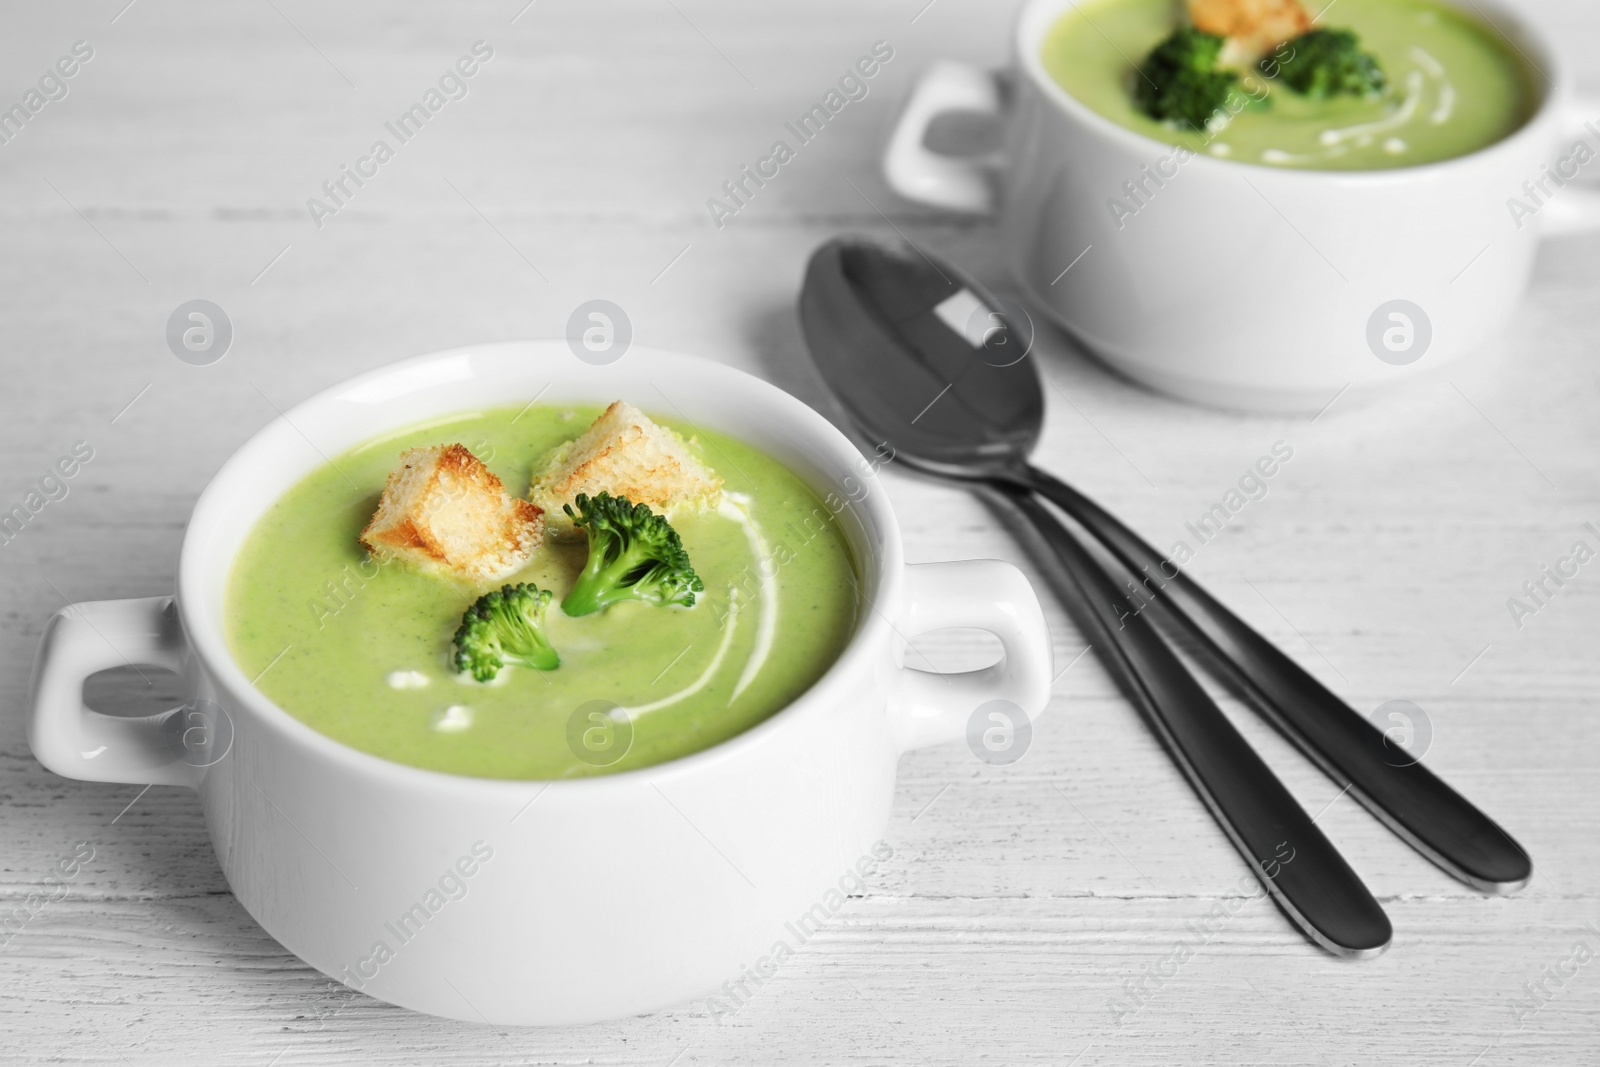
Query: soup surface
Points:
[358, 649]
[1454, 86]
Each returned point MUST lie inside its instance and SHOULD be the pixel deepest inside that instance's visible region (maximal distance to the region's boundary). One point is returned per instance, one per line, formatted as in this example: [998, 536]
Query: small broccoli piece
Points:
[1180, 81]
[1324, 63]
[634, 554]
[505, 626]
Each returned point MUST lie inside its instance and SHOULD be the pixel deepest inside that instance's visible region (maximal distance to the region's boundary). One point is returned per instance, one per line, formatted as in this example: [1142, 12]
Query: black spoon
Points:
[923, 358]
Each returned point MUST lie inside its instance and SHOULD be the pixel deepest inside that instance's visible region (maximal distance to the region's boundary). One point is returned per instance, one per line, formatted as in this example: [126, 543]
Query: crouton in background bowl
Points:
[538, 902]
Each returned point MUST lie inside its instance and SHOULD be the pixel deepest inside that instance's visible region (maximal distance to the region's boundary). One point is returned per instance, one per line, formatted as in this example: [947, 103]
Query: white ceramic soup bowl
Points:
[524, 902]
[1244, 285]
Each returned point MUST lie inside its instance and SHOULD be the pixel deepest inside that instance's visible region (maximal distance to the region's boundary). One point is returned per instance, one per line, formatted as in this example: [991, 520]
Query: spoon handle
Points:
[1305, 875]
[1413, 802]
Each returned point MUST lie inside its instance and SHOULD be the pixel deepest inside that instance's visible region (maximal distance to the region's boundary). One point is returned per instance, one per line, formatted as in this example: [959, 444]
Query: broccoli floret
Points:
[1180, 80]
[1324, 63]
[505, 626]
[634, 554]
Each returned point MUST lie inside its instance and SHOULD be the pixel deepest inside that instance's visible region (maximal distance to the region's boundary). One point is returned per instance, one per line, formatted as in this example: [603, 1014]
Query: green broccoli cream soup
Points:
[359, 648]
[1452, 85]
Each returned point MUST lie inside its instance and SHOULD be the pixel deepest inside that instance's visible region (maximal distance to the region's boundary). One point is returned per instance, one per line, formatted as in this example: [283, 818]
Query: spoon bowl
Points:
[922, 357]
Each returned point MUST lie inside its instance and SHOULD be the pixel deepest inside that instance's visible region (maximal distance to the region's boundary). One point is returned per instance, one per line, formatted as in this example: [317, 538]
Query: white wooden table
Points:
[1022, 902]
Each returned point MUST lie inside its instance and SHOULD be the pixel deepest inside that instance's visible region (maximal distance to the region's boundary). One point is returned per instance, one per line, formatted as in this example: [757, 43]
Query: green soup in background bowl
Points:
[357, 648]
[1454, 86]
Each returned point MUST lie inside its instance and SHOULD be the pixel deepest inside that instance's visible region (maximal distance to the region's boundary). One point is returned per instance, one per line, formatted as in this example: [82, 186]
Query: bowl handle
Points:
[75, 741]
[979, 594]
[1574, 210]
[951, 182]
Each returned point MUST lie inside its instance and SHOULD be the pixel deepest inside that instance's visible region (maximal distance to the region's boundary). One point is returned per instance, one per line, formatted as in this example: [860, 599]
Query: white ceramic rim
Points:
[880, 578]
[1038, 16]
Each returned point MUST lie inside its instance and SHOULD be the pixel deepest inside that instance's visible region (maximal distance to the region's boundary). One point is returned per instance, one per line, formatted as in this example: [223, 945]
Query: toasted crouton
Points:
[625, 454]
[444, 511]
[1252, 27]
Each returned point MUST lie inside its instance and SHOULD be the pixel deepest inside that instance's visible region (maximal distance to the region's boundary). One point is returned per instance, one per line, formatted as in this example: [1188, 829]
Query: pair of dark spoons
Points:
[926, 363]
